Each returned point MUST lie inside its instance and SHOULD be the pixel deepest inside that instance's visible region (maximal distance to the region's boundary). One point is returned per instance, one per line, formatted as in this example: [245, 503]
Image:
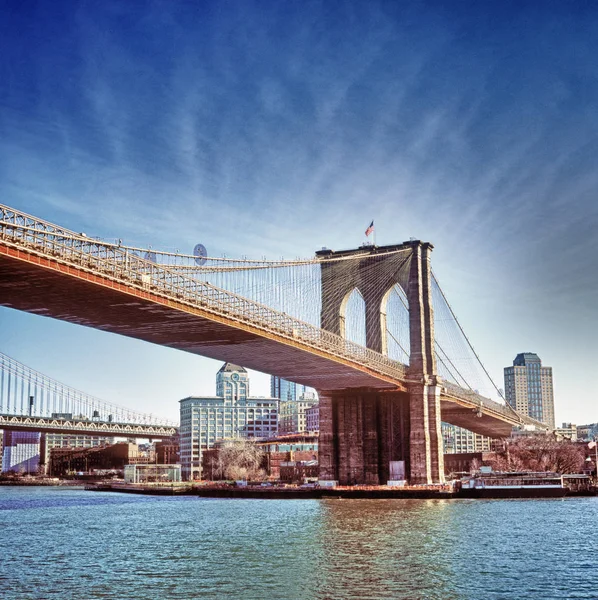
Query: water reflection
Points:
[58, 544]
[458, 549]
[386, 549]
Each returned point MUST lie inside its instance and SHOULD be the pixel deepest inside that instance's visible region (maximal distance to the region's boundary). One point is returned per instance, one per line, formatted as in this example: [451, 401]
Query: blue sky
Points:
[276, 128]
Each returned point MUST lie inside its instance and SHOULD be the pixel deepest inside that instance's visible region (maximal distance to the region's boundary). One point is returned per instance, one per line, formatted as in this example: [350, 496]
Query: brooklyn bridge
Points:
[370, 329]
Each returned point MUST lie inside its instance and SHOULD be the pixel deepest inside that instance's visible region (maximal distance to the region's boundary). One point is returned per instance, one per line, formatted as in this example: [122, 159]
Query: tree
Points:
[539, 453]
[239, 459]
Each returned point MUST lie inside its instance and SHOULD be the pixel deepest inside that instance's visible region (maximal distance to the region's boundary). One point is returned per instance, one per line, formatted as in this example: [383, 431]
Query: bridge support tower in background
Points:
[363, 431]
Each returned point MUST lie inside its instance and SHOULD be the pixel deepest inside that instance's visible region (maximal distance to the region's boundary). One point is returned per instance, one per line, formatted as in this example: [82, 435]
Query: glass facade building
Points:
[528, 388]
[288, 391]
[284, 390]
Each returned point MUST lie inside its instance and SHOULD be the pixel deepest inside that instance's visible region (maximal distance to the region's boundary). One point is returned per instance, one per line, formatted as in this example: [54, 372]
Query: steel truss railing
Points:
[85, 427]
[124, 266]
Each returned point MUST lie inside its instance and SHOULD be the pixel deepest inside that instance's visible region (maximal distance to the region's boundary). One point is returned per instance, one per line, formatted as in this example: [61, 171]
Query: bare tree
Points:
[239, 459]
[539, 453]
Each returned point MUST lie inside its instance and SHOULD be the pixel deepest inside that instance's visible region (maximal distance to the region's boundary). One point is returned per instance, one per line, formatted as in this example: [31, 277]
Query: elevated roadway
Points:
[73, 279]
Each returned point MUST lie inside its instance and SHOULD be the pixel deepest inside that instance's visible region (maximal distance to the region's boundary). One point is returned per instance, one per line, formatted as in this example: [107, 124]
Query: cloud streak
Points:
[276, 131]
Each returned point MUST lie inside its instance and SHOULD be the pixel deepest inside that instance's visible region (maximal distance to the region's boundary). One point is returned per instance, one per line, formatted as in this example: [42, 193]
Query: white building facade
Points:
[231, 414]
[458, 440]
[21, 452]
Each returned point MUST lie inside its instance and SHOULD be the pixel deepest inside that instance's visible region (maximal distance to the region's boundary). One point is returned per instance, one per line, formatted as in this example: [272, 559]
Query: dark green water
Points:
[64, 543]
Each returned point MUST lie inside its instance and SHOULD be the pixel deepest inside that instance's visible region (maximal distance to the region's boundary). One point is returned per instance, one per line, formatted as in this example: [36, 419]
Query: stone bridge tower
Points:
[363, 430]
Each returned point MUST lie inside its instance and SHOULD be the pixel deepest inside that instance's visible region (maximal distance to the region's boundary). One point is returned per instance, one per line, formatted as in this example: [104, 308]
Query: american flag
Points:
[369, 229]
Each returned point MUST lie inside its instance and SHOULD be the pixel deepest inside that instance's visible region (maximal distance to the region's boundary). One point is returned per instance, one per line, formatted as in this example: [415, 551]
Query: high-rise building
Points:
[285, 390]
[312, 418]
[528, 388]
[231, 414]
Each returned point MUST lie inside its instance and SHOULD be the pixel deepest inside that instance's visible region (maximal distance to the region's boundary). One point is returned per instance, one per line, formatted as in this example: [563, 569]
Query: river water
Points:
[66, 543]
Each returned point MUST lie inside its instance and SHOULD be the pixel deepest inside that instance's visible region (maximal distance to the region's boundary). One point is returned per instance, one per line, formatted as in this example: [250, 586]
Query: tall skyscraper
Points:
[285, 390]
[288, 391]
[528, 388]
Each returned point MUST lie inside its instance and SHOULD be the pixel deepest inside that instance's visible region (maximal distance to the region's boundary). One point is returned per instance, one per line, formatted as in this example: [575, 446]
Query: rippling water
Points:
[70, 544]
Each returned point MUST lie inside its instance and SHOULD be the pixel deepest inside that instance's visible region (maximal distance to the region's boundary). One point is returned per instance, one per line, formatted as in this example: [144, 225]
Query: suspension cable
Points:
[471, 346]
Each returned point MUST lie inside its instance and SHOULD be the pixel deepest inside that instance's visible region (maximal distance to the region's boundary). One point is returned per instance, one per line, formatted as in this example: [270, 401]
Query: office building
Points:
[587, 433]
[21, 452]
[528, 388]
[567, 431]
[231, 414]
[312, 418]
[285, 390]
[461, 441]
[292, 414]
[289, 391]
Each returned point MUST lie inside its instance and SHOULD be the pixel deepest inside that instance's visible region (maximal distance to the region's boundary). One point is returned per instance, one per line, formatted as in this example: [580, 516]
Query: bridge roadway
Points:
[85, 427]
[73, 289]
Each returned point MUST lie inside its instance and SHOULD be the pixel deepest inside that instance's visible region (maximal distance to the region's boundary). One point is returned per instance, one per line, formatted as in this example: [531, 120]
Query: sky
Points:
[276, 128]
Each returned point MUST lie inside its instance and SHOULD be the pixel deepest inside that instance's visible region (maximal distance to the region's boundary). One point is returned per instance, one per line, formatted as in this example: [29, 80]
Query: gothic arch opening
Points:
[352, 317]
[394, 324]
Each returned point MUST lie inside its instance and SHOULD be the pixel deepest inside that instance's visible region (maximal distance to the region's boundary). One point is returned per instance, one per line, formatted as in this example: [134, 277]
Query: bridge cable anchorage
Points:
[454, 316]
[60, 399]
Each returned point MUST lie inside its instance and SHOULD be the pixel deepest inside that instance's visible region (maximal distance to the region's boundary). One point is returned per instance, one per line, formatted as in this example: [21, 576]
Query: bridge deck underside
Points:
[50, 289]
[85, 299]
[466, 417]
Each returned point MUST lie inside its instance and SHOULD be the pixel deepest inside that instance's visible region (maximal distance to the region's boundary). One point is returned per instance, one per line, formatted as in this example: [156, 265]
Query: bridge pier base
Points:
[425, 441]
[360, 434]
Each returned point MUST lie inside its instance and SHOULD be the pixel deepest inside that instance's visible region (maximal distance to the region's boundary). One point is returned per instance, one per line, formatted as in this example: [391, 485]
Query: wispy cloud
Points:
[278, 130]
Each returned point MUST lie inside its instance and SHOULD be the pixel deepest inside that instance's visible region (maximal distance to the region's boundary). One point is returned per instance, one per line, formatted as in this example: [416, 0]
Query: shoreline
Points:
[284, 493]
[44, 483]
[295, 493]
